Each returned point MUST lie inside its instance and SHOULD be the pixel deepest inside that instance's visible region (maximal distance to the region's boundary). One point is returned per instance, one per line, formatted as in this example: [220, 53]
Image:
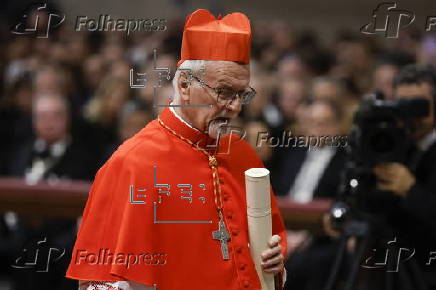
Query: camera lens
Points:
[382, 142]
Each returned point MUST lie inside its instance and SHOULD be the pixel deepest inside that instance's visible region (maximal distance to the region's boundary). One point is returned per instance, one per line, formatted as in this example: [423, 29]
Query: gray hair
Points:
[192, 67]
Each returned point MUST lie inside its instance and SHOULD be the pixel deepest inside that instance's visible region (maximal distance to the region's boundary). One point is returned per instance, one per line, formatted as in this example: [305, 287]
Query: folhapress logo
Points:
[388, 20]
[393, 253]
[38, 19]
[38, 255]
[393, 256]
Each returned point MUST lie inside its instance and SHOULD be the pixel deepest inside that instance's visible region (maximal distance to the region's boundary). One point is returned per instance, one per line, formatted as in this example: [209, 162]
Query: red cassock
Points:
[151, 212]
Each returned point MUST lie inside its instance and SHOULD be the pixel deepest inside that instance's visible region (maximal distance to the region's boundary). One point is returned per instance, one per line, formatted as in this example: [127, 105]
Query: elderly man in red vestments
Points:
[168, 210]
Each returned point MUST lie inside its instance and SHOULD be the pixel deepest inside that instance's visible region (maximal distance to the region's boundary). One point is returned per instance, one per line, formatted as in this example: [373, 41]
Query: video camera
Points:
[380, 132]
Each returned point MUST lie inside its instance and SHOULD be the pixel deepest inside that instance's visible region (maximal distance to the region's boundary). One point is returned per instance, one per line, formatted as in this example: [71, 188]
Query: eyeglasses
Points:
[225, 97]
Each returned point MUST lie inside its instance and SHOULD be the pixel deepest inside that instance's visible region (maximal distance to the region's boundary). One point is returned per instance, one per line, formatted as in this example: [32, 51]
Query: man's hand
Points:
[328, 226]
[394, 177]
[272, 258]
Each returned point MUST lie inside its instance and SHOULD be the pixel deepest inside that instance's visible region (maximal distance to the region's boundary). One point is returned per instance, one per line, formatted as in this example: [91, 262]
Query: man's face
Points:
[421, 126]
[50, 119]
[384, 78]
[321, 121]
[291, 94]
[322, 90]
[222, 75]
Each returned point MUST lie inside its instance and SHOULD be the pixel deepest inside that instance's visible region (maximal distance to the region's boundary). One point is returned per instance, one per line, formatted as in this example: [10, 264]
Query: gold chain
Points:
[213, 164]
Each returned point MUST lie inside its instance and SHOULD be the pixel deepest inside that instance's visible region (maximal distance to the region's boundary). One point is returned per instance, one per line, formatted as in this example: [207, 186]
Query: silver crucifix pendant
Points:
[223, 236]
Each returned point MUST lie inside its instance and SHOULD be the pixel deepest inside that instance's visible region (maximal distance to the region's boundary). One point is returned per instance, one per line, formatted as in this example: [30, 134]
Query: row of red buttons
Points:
[235, 232]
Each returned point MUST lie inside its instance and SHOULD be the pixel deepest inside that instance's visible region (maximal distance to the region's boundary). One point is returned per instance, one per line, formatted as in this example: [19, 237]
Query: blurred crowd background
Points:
[66, 102]
[89, 73]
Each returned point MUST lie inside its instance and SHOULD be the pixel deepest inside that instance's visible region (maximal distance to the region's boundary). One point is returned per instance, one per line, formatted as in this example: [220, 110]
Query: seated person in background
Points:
[303, 175]
[291, 94]
[52, 155]
[102, 110]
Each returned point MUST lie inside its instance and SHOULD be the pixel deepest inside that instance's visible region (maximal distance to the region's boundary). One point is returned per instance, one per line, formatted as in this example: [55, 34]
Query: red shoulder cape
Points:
[150, 215]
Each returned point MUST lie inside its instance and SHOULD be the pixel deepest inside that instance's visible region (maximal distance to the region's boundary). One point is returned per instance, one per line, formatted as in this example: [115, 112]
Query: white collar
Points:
[56, 149]
[427, 141]
[172, 110]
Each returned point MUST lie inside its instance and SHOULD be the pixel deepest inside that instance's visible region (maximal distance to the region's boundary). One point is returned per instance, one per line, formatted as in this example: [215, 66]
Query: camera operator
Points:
[388, 200]
[415, 184]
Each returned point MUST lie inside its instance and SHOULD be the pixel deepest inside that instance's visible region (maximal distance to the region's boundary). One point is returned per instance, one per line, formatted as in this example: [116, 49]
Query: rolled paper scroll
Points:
[257, 187]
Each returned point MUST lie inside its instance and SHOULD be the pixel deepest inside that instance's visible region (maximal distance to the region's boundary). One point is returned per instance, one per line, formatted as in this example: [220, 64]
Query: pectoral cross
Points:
[223, 236]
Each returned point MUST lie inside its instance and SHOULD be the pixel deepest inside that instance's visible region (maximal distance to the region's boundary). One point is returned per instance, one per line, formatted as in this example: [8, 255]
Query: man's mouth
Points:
[221, 119]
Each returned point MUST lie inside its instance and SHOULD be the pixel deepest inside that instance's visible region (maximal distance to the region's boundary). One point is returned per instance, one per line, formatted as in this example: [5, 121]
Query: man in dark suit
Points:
[52, 155]
[291, 164]
[303, 174]
[401, 211]
[412, 208]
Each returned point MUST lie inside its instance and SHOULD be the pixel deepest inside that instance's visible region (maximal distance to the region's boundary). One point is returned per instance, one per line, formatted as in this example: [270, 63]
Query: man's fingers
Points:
[385, 186]
[274, 270]
[272, 258]
[386, 165]
[269, 253]
[328, 226]
[274, 241]
[272, 261]
[383, 174]
[384, 178]
[394, 177]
